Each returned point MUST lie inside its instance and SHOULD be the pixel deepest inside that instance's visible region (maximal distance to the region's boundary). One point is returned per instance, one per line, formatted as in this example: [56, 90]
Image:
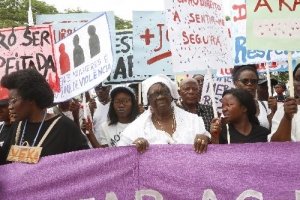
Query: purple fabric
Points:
[173, 171]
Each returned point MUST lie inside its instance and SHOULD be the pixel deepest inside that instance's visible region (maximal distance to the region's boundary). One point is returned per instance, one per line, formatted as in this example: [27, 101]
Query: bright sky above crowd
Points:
[122, 8]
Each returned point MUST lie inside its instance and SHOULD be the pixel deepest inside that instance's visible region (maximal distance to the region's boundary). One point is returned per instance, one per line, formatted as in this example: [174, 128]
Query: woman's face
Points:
[122, 104]
[232, 109]
[247, 80]
[297, 83]
[159, 98]
[19, 109]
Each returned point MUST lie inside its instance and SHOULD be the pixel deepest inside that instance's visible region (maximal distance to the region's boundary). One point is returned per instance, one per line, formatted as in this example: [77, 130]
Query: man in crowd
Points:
[100, 110]
[189, 101]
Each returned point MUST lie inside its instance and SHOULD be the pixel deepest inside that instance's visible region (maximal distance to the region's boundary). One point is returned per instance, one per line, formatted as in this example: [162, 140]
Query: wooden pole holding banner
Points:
[291, 78]
[30, 15]
[269, 80]
[211, 90]
[84, 105]
[140, 93]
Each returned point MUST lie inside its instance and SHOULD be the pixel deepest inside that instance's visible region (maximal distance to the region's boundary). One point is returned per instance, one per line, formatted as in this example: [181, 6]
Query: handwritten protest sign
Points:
[152, 53]
[261, 68]
[220, 85]
[85, 58]
[243, 55]
[123, 70]
[28, 47]
[198, 35]
[273, 25]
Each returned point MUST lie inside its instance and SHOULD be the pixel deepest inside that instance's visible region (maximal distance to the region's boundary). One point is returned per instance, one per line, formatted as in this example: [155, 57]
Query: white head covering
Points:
[160, 78]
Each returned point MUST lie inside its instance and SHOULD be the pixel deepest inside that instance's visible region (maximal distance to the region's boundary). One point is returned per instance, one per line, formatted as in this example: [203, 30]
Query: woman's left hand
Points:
[141, 144]
[272, 104]
[200, 143]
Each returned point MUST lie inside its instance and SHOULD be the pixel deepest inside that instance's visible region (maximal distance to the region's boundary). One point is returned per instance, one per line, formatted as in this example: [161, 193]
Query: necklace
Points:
[37, 134]
[173, 123]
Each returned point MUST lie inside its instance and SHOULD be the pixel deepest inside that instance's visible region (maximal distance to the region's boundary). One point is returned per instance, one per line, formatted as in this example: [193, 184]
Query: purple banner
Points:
[242, 171]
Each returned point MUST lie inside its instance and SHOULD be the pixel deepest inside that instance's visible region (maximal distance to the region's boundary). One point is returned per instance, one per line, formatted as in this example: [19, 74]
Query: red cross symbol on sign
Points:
[147, 36]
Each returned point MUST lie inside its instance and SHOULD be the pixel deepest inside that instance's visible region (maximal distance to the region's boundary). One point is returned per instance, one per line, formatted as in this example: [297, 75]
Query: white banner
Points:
[198, 35]
[220, 85]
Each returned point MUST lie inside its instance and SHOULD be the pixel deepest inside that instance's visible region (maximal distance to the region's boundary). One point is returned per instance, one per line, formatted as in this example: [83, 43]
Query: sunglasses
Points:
[247, 81]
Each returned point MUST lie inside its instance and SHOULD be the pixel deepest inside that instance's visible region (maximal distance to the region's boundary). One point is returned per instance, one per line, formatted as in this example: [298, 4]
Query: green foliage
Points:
[281, 77]
[14, 12]
[122, 23]
[77, 10]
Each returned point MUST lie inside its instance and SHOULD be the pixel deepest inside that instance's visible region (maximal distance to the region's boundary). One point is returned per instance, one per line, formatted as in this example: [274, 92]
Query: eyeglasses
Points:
[157, 94]
[13, 100]
[122, 101]
[247, 81]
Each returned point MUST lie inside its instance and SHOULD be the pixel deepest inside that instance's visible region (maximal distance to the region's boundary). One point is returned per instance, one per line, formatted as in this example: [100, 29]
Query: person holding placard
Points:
[36, 133]
[246, 77]
[123, 109]
[164, 122]
[285, 123]
[99, 108]
[242, 124]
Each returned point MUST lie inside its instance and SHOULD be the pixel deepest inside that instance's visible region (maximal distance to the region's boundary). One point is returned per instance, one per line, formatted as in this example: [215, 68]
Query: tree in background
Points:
[122, 23]
[14, 12]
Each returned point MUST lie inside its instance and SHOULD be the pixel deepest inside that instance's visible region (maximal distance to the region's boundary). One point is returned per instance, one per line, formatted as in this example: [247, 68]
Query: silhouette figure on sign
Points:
[64, 60]
[78, 55]
[93, 41]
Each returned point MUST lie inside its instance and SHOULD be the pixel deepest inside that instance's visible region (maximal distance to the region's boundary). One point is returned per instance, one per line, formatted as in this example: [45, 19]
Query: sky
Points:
[121, 8]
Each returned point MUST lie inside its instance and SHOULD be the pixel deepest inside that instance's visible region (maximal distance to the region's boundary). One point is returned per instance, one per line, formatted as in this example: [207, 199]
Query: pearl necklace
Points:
[161, 126]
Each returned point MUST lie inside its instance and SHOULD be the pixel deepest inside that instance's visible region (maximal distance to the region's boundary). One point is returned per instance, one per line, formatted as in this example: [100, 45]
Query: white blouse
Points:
[188, 125]
[264, 111]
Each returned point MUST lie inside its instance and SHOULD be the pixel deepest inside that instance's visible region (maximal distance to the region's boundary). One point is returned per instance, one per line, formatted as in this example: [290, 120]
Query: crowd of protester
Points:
[172, 115]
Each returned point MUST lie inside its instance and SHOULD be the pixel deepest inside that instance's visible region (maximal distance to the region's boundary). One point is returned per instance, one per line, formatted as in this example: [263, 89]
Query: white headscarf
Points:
[160, 78]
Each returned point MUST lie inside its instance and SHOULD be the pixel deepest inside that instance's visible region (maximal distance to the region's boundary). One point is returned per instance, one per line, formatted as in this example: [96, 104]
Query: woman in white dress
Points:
[164, 122]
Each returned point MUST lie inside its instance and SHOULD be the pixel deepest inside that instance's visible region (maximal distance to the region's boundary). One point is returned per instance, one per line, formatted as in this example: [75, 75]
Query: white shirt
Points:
[295, 131]
[110, 135]
[100, 116]
[264, 111]
[188, 125]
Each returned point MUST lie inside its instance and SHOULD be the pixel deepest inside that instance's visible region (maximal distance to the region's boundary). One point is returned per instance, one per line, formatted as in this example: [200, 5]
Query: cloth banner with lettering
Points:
[29, 47]
[236, 171]
[85, 58]
[198, 35]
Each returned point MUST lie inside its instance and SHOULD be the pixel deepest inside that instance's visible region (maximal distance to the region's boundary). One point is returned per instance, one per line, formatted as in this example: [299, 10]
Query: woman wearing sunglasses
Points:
[246, 77]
